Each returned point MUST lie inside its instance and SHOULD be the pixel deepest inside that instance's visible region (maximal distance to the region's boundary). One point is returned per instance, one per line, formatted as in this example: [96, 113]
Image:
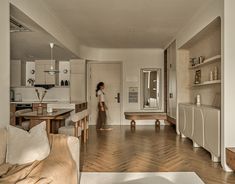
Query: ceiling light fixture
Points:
[52, 70]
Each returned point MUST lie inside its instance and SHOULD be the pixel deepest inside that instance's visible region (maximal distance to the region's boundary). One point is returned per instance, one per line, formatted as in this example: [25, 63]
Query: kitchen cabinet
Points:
[78, 80]
[42, 77]
[15, 78]
[202, 125]
[64, 68]
[30, 73]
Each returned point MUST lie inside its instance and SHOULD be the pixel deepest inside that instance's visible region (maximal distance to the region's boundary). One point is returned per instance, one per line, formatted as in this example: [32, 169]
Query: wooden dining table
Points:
[51, 118]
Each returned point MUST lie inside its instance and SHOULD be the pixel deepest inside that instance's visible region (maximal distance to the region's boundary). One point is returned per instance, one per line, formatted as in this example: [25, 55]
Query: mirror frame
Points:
[159, 70]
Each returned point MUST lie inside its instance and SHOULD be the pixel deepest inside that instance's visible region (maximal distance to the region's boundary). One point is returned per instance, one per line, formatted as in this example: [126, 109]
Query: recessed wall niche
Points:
[200, 66]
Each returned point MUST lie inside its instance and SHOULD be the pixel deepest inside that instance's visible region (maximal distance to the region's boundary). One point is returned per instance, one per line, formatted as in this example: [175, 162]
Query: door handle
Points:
[118, 97]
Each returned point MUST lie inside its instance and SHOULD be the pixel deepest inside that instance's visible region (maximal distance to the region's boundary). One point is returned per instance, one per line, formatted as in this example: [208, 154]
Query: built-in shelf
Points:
[207, 61]
[207, 83]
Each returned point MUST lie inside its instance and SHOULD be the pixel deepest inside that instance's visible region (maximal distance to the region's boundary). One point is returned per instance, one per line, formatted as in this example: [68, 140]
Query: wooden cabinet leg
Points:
[157, 122]
[215, 158]
[133, 123]
[195, 145]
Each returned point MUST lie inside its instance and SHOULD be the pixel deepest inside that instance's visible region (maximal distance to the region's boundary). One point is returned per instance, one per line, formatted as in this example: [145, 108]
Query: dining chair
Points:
[73, 127]
[24, 124]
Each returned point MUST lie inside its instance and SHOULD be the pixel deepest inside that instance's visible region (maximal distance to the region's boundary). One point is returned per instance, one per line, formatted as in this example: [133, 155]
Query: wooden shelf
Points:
[207, 83]
[207, 61]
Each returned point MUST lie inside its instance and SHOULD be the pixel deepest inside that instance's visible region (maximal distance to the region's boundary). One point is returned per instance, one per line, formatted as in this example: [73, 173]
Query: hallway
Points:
[148, 150]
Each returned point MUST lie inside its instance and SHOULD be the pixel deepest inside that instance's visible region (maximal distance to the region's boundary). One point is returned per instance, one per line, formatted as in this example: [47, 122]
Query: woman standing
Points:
[102, 118]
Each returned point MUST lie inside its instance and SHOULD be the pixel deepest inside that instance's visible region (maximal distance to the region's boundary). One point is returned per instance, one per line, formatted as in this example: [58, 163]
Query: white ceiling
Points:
[35, 44]
[125, 23]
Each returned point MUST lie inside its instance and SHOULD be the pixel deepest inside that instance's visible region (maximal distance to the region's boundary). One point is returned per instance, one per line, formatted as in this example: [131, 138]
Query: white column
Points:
[228, 128]
[4, 63]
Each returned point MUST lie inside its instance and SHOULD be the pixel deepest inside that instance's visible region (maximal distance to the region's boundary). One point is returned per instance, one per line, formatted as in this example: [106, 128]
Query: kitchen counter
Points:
[48, 102]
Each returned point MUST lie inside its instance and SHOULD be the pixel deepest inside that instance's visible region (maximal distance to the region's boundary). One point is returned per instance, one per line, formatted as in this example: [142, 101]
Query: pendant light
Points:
[52, 70]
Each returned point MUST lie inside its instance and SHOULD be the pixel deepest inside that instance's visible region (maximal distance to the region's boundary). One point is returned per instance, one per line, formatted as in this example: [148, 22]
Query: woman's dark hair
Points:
[98, 87]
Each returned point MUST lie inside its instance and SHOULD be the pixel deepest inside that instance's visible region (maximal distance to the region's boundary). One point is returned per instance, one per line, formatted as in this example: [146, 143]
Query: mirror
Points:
[151, 88]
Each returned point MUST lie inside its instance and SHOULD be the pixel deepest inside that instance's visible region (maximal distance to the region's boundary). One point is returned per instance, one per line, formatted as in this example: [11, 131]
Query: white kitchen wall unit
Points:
[64, 68]
[42, 77]
[15, 73]
[30, 72]
[171, 81]
[77, 80]
[202, 125]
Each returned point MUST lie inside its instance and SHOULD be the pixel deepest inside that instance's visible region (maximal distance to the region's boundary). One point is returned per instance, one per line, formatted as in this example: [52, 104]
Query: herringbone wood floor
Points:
[148, 150]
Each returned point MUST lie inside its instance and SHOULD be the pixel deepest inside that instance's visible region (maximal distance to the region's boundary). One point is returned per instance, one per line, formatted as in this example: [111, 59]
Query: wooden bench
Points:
[133, 116]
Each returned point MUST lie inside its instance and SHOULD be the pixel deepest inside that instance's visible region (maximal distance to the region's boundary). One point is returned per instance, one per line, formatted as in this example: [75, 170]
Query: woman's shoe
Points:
[108, 129]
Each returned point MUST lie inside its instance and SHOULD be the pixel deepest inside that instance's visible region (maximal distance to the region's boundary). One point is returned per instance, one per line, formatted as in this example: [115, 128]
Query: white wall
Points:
[228, 127]
[4, 63]
[204, 16]
[133, 60]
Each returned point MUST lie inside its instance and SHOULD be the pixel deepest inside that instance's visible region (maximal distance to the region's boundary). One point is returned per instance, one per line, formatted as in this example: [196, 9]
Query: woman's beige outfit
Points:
[101, 120]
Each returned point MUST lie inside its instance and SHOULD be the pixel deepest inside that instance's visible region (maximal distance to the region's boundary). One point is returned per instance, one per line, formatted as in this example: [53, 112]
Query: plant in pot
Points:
[40, 98]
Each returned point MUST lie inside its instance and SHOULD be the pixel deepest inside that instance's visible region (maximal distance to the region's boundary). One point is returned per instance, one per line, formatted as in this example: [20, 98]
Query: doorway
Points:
[110, 74]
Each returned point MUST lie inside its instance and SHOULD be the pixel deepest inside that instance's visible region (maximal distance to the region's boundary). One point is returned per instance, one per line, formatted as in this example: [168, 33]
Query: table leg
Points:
[48, 126]
[84, 130]
[30, 123]
[86, 121]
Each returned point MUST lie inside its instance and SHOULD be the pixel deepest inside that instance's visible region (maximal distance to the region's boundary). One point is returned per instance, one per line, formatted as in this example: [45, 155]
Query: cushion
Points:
[3, 145]
[25, 147]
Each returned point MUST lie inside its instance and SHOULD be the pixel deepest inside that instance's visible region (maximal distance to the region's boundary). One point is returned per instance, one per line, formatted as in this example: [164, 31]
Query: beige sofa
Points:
[73, 144]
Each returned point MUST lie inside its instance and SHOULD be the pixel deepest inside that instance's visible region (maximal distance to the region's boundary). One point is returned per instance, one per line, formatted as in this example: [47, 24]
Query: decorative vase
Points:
[216, 73]
[198, 99]
[40, 109]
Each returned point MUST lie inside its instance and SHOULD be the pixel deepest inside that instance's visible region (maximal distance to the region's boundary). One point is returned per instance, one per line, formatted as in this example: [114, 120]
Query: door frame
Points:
[88, 77]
